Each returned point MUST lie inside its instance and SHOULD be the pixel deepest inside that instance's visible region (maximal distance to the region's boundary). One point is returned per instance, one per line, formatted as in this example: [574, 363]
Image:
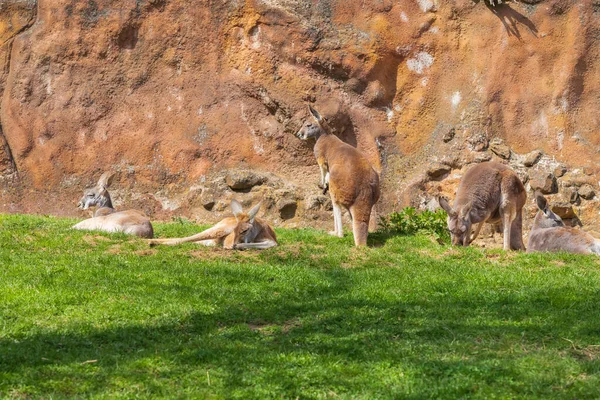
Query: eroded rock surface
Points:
[170, 93]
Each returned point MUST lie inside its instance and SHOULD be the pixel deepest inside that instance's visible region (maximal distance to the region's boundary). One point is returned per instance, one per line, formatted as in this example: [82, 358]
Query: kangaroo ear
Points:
[464, 212]
[315, 114]
[541, 201]
[106, 180]
[445, 206]
[252, 213]
[236, 207]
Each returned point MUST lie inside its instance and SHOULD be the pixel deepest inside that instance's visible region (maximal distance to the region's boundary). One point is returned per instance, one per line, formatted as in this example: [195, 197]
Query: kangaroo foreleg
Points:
[216, 232]
[477, 230]
[264, 244]
[326, 185]
[324, 176]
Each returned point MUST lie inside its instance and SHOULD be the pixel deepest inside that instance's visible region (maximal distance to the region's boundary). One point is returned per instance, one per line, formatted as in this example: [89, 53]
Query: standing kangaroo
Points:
[352, 182]
[106, 218]
[549, 233]
[242, 231]
[489, 192]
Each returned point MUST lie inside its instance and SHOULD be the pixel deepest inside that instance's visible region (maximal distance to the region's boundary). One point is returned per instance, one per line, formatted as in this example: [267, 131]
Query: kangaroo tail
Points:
[216, 232]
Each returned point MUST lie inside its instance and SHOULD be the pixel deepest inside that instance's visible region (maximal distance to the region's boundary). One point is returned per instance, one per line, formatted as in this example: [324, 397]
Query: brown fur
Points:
[353, 184]
[242, 231]
[106, 218]
[550, 234]
[489, 192]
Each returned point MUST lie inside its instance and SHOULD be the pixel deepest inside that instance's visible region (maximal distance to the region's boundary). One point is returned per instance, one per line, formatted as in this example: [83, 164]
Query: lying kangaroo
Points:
[106, 218]
[549, 233]
[489, 192]
[352, 182]
[242, 231]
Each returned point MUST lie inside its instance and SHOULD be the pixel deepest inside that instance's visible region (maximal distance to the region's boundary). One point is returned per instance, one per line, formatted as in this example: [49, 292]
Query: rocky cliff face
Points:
[197, 102]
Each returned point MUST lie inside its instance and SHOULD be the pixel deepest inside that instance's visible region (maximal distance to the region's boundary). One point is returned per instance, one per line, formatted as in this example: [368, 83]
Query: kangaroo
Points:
[242, 231]
[489, 192]
[549, 233]
[347, 174]
[106, 218]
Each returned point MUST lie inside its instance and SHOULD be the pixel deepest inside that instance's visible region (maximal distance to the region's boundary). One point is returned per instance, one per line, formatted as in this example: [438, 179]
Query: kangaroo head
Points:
[459, 222]
[245, 221]
[98, 195]
[545, 217]
[313, 129]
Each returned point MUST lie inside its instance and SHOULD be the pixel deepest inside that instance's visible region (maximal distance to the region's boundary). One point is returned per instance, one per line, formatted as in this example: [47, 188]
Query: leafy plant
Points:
[409, 221]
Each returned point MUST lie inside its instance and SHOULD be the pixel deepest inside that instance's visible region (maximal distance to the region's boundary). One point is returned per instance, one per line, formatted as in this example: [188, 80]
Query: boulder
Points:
[240, 180]
[586, 191]
[564, 210]
[560, 171]
[532, 158]
[209, 197]
[543, 181]
[437, 170]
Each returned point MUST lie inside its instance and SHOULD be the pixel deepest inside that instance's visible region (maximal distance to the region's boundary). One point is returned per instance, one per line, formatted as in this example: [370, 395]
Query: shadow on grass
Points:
[325, 339]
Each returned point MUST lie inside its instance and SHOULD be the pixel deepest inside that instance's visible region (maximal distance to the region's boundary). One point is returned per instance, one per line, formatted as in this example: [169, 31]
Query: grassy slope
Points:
[86, 314]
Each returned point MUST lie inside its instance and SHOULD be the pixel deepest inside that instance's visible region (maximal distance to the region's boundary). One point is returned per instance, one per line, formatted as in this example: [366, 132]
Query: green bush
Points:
[409, 222]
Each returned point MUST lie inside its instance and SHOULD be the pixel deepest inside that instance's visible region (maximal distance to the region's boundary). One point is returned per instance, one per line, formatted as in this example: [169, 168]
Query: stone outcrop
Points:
[173, 94]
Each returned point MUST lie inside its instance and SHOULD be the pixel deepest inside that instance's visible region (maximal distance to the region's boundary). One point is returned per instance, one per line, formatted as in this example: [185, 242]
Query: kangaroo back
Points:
[106, 218]
[549, 233]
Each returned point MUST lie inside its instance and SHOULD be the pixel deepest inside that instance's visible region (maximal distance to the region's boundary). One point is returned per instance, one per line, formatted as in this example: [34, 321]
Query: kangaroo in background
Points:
[549, 233]
[106, 218]
[242, 231]
[346, 172]
[488, 192]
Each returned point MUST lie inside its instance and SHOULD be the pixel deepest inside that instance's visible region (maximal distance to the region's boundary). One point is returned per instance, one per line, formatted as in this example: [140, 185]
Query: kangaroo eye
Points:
[90, 195]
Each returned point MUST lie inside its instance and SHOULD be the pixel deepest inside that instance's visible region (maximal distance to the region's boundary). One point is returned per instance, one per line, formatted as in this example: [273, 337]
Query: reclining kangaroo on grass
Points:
[242, 231]
[352, 182]
[489, 192]
[106, 218]
[549, 233]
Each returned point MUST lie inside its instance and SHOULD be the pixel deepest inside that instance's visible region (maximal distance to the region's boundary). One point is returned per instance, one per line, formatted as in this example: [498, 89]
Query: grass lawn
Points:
[98, 315]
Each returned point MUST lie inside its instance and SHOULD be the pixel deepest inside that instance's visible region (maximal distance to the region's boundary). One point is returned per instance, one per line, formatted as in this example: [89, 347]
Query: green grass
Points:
[103, 316]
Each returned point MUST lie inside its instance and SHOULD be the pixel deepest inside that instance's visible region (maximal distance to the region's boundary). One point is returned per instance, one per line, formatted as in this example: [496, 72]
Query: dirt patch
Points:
[500, 257]
[114, 249]
[587, 353]
[94, 240]
[147, 252]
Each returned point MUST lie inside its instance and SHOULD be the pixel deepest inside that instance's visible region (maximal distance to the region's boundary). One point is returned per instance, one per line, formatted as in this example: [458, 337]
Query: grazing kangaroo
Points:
[549, 233]
[346, 172]
[489, 192]
[242, 231]
[106, 218]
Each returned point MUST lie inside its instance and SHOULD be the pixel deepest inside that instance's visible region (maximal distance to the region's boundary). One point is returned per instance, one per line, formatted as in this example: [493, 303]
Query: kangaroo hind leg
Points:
[337, 221]
[509, 214]
[360, 225]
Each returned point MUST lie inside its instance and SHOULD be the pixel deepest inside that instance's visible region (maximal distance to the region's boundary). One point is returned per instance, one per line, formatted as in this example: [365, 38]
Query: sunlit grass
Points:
[87, 314]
